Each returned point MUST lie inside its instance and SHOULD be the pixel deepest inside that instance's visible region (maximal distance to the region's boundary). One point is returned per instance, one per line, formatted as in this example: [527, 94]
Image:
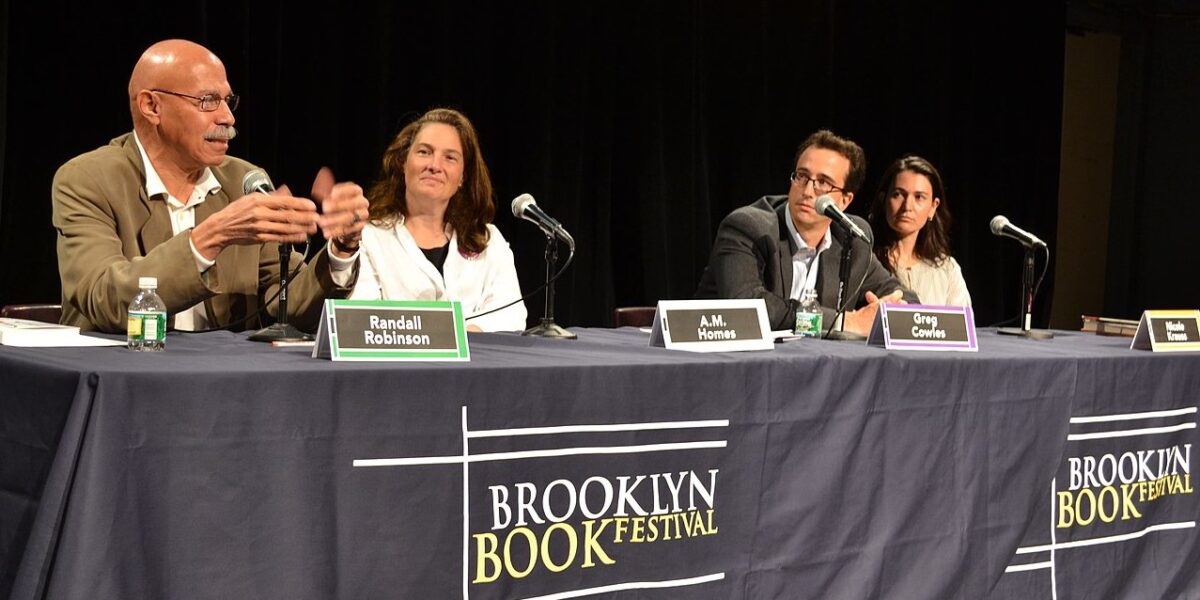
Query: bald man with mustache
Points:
[166, 201]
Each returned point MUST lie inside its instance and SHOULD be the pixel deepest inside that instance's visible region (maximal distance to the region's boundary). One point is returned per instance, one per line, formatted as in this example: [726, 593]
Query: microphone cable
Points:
[846, 304]
[563, 269]
[1036, 288]
[293, 274]
[849, 299]
[262, 310]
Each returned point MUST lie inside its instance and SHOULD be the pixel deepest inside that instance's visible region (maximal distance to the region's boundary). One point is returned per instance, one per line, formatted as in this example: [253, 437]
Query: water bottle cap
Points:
[148, 282]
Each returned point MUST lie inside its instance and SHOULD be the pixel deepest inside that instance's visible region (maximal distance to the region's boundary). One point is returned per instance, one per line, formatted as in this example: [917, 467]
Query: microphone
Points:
[280, 330]
[525, 207]
[1003, 227]
[257, 181]
[826, 206]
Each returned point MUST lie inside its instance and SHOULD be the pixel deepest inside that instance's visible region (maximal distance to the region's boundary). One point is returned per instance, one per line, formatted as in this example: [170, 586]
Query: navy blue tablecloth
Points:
[223, 468]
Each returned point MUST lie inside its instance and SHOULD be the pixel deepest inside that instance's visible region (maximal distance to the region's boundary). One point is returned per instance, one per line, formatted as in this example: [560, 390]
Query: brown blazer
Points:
[110, 233]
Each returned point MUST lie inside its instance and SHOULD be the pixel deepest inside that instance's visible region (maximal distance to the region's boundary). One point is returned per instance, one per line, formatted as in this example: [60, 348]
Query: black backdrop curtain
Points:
[1151, 256]
[639, 125]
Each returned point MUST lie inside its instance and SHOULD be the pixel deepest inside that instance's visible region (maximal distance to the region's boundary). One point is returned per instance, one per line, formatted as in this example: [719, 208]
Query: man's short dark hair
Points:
[853, 152]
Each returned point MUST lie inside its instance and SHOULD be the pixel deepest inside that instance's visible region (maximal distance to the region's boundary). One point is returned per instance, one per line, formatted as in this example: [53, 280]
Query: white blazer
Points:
[392, 267]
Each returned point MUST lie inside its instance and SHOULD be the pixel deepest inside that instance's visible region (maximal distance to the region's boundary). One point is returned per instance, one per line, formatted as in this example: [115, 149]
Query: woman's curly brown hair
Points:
[471, 208]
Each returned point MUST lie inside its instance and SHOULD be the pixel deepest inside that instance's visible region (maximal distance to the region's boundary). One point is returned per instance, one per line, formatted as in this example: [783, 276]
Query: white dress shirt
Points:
[183, 218]
[804, 260]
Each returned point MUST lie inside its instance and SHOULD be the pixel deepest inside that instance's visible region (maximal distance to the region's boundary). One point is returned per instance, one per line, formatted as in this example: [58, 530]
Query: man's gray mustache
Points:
[222, 133]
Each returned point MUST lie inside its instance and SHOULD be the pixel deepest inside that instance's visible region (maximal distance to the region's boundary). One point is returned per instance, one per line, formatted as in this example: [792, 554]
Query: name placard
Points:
[924, 327]
[392, 330]
[1168, 331]
[712, 325]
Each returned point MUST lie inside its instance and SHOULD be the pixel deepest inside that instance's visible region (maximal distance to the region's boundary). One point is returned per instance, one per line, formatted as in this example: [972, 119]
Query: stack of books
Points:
[23, 332]
[1108, 326]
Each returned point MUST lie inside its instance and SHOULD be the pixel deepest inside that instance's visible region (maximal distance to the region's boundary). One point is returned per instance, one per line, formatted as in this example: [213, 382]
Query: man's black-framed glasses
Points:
[820, 186]
[207, 102]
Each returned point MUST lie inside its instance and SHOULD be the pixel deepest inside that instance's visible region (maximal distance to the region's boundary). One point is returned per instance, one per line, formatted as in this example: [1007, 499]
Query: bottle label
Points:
[146, 326]
[808, 324]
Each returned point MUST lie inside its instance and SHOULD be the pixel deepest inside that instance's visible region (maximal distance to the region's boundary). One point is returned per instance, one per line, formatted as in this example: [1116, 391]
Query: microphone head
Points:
[999, 222]
[520, 203]
[823, 203]
[257, 181]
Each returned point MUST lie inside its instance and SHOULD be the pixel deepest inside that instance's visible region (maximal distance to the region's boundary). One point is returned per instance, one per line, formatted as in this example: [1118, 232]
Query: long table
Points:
[223, 468]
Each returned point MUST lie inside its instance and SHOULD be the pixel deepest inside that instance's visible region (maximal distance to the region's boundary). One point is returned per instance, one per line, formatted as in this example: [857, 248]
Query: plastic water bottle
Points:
[808, 315]
[147, 325]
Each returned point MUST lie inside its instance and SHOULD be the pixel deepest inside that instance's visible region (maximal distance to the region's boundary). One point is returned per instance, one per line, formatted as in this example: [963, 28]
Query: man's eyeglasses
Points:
[207, 102]
[820, 186]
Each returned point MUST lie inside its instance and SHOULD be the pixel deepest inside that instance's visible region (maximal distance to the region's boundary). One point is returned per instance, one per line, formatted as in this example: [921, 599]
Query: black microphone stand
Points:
[843, 280]
[548, 328]
[1027, 303]
[281, 331]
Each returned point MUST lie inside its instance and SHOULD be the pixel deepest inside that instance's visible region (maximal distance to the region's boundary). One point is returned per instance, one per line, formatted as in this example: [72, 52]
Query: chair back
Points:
[634, 316]
[46, 313]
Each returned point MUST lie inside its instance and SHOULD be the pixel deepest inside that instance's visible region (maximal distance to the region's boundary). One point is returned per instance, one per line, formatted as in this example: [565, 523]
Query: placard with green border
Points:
[392, 330]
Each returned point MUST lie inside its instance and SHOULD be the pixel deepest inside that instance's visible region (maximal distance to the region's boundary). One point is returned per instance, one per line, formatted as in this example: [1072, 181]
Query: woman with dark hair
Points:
[429, 235]
[912, 225]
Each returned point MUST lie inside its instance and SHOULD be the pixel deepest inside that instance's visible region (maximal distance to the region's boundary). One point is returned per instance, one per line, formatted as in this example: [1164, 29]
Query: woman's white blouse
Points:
[393, 267]
[941, 285]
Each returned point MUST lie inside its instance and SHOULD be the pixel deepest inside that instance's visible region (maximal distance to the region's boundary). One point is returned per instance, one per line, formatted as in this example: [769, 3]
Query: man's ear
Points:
[846, 200]
[149, 107]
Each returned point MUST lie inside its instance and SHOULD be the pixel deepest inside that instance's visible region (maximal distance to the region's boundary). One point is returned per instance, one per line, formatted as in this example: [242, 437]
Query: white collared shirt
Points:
[804, 260]
[183, 217]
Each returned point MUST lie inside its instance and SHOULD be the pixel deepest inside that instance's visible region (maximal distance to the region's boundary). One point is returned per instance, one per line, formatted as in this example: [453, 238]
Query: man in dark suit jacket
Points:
[778, 246]
[166, 201]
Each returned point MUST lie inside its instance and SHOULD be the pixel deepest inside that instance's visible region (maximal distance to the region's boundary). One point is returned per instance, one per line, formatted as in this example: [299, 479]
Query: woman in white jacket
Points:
[430, 235]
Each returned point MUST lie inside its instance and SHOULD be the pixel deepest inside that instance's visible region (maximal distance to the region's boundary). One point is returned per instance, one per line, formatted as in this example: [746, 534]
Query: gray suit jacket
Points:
[110, 233]
[752, 258]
